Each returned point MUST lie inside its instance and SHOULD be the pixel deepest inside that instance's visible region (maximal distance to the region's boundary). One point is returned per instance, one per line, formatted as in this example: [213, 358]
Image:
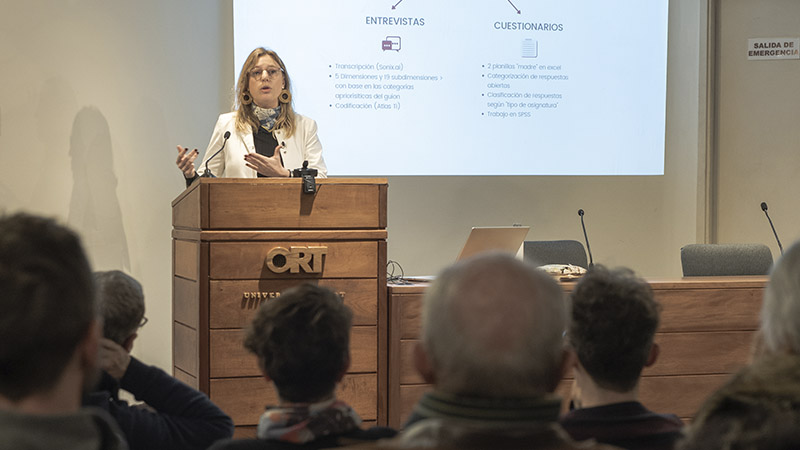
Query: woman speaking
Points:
[263, 137]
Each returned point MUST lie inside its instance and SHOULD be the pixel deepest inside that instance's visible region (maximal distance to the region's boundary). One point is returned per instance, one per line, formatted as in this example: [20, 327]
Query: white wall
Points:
[759, 137]
[95, 95]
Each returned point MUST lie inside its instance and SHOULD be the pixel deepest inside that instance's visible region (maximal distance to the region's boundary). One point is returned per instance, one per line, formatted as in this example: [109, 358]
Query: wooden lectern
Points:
[240, 242]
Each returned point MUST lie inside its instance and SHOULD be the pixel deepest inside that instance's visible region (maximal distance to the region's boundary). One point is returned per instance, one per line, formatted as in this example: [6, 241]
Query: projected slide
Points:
[490, 87]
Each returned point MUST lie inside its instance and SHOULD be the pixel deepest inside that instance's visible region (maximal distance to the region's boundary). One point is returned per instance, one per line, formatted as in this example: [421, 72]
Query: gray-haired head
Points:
[120, 301]
[780, 312]
[492, 326]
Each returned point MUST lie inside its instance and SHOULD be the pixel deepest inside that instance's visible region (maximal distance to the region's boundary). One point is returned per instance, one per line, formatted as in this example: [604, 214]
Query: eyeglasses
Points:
[272, 72]
[142, 323]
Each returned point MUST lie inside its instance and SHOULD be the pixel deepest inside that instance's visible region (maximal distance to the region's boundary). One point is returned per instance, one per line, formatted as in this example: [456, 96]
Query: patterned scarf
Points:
[304, 422]
[267, 116]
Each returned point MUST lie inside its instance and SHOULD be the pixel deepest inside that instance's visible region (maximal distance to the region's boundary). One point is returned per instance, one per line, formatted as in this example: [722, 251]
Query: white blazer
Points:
[304, 145]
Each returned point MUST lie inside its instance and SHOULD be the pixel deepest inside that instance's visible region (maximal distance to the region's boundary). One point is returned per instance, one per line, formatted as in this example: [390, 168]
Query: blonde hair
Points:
[246, 119]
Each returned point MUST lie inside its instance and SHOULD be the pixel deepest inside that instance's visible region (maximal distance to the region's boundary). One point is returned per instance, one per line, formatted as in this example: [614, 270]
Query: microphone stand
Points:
[764, 208]
[586, 238]
[207, 173]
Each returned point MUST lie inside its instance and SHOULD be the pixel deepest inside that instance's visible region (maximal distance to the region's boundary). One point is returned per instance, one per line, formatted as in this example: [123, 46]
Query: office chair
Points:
[700, 260]
[555, 252]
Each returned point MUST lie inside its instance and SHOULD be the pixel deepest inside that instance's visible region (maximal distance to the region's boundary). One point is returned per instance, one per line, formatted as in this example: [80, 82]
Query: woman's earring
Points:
[246, 99]
[285, 96]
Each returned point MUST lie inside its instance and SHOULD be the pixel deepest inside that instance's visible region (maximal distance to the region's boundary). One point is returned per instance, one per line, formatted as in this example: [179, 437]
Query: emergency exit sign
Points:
[773, 48]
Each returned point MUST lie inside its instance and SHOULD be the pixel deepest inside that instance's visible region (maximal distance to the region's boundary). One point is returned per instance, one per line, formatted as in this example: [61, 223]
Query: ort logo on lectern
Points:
[308, 259]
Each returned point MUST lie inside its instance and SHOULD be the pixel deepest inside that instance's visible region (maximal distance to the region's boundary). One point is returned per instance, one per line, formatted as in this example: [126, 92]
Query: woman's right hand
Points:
[185, 161]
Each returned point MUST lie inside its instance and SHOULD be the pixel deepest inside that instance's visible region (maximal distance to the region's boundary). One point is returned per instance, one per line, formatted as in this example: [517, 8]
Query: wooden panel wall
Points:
[238, 283]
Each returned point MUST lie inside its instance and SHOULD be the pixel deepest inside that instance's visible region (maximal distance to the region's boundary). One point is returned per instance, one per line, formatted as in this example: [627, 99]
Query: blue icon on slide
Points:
[391, 43]
[530, 48]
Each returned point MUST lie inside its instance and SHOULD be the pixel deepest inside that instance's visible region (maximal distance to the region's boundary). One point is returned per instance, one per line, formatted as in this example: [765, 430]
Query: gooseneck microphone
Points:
[207, 173]
[764, 208]
[586, 238]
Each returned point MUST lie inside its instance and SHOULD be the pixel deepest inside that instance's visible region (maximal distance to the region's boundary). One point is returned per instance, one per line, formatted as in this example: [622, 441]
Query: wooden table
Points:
[707, 325]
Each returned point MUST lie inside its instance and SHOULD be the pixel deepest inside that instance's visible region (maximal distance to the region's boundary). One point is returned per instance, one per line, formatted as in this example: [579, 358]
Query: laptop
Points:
[483, 239]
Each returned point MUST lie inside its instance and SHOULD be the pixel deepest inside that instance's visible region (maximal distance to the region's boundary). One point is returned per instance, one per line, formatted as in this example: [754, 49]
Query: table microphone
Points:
[207, 173]
[309, 183]
[586, 238]
[764, 208]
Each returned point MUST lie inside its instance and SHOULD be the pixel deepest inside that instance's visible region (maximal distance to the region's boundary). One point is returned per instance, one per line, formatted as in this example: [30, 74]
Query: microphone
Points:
[309, 183]
[586, 238]
[207, 173]
[764, 208]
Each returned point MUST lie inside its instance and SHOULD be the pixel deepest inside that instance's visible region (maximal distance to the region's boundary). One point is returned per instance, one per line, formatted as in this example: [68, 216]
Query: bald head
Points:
[492, 327]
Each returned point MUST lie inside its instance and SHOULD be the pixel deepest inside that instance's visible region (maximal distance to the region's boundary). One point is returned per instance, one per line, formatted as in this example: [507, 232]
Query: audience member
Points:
[302, 341]
[759, 408]
[492, 347]
[614, 320]
[178, 416]
[780, 311]
[48, 340]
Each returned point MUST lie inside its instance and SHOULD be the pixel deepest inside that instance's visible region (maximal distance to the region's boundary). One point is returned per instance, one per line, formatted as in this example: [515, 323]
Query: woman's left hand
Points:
[269, 166]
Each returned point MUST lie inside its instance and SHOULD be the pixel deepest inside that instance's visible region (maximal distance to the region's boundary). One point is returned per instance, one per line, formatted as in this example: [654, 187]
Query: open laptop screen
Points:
[482, 239]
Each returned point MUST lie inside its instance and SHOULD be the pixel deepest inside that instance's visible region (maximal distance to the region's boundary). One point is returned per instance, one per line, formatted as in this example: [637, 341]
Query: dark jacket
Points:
[181, 418]
[342, 440]
[628, 425]
[446, 421]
